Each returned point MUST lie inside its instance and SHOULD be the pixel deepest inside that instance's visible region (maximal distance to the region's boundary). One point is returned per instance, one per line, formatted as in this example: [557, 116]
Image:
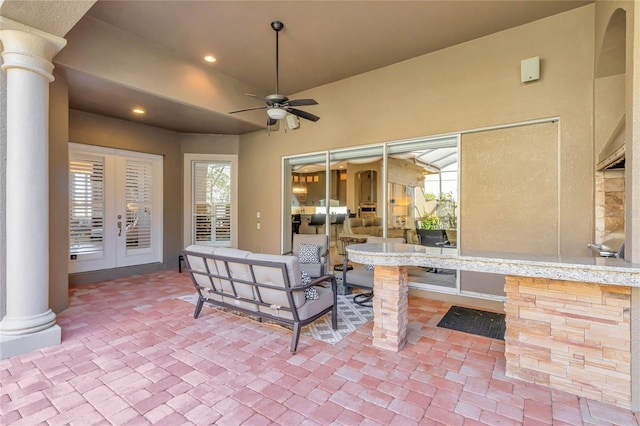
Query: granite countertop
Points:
[585, 269]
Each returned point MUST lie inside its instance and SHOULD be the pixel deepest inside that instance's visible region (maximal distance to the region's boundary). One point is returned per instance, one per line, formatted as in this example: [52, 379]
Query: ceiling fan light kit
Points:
[277, 113]
[292, 122]
[277, 105]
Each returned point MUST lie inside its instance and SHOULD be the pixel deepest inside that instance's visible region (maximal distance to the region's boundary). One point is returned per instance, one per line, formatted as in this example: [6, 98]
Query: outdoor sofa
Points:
[265, 286]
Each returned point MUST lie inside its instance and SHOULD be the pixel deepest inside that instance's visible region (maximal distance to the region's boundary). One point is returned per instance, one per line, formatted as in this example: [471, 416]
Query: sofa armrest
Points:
[323, 279]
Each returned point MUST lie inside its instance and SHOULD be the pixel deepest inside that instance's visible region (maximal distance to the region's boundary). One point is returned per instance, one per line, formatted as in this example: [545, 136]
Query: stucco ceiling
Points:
[322, 42]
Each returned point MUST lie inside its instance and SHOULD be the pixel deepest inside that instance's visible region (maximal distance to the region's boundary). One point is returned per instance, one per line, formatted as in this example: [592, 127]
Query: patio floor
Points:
[132, 354]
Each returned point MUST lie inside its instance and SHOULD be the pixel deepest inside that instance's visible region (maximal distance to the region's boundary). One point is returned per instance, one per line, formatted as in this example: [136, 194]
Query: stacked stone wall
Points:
[390, 307]
[570, 336]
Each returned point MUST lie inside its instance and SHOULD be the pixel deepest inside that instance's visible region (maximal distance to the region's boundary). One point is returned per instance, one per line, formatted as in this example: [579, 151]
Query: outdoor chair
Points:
[312, 251]
[361, 276]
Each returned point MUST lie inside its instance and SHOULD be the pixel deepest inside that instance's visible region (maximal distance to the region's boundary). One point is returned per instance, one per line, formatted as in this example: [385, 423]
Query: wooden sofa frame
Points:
[233, 296]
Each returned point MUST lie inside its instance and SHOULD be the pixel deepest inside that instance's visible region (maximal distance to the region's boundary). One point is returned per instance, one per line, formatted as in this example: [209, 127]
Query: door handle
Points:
[119, 228]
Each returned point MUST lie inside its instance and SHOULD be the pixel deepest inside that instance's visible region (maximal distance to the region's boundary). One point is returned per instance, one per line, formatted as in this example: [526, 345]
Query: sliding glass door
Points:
[406, 189]
[305, 196]
[422, 202]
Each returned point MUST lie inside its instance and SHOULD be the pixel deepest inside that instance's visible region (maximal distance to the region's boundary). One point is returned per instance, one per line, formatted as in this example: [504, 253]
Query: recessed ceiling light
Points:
[210, 58]
[138, 111]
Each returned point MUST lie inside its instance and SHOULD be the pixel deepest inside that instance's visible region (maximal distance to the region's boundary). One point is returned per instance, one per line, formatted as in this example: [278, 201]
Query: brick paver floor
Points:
[132, 354]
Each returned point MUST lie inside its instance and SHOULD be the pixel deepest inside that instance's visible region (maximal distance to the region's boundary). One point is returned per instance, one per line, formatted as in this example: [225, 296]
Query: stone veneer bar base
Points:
[390, 307]
[571, 336]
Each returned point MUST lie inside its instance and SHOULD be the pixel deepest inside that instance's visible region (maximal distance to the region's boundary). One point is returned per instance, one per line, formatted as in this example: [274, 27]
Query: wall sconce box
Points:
[530, 69]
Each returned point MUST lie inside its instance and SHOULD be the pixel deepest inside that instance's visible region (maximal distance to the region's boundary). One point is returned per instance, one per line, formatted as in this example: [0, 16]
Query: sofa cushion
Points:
[363, 226]
[360, 277]
[308, 309]
[273, 276]
[201, 249]
[197, 264]
[314, 270]
[315, 306]
[231, 252]
[238, 271]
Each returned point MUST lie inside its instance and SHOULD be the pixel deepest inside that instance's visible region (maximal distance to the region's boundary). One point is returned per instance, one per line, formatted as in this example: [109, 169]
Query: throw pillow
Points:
[309, 253]
[368, 267]
[311, 293]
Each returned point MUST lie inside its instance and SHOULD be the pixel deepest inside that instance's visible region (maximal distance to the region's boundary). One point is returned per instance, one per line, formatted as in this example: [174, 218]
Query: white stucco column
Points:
[29, 323]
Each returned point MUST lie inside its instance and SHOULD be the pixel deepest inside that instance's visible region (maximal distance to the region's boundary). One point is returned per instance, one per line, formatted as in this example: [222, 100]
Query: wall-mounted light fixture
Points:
[299, 189]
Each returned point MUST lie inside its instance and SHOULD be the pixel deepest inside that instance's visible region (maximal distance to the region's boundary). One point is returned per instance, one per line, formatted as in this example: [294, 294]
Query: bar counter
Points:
[569, 320]
[599, 270]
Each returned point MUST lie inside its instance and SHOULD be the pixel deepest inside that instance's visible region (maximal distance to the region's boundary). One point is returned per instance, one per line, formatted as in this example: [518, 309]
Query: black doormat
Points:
[474, 321]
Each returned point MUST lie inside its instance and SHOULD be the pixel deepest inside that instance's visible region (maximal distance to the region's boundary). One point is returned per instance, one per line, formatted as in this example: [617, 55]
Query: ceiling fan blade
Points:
[271, 121]
[303, 114]
[269, 99]
[302, 102]
[248, 109]
[254, 96]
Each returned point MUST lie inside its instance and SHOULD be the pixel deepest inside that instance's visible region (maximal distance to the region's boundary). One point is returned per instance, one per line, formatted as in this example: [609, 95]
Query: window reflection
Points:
[347, 198]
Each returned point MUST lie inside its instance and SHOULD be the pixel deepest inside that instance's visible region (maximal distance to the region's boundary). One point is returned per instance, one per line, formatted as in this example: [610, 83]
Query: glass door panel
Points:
[422, 188]
[211, 203]
[357, 189]
[305, 197]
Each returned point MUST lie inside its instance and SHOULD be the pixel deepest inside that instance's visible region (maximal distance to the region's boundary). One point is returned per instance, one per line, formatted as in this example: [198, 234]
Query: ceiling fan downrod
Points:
[277, 26]
[277, 105]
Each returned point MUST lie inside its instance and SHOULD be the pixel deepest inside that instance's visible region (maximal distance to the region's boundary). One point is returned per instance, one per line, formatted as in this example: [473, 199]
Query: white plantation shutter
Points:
[86, 204]
[211, 202]
[139, 198]
[223, 222]
[202, 211]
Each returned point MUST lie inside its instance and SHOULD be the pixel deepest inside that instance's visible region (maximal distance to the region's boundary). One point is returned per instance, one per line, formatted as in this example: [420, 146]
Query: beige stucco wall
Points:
[209, 144]
[609, 107]
[509, 187]
[471, 85]
[58, 194]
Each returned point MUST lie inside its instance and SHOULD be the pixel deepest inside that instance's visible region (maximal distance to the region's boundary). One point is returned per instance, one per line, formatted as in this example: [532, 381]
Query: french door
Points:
[115, 208]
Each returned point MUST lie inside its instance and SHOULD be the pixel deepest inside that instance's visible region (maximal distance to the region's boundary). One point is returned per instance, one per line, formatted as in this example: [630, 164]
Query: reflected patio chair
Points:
[361, 276]
[312, 252]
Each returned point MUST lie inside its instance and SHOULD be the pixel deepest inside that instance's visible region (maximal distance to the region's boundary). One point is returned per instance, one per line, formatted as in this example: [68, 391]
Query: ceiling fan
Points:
[277, 105]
